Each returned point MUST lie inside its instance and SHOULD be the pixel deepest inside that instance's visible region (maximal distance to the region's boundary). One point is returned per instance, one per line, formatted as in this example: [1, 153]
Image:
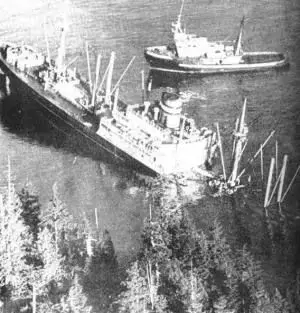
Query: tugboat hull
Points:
[252, 61]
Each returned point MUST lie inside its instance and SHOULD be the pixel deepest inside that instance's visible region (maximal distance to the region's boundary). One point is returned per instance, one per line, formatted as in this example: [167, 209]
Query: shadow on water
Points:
[31, 125]
[162, 79]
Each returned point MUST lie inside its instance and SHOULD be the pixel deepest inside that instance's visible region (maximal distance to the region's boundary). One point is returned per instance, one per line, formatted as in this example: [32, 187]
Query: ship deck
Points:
[83, 116]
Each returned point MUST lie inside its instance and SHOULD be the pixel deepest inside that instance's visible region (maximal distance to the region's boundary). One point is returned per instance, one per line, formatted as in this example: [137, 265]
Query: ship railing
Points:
[271, 53]
[126, 135]
[185, 140]
[225, 42]
[128, 145]
[120, 116]
[144, 152]
[153, 126]
[196, 135]
[138, 147]
[193, 135]
[144, 124]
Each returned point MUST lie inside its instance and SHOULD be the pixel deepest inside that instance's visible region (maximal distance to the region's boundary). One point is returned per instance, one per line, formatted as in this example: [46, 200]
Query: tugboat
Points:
[153, 137]
[194, 54]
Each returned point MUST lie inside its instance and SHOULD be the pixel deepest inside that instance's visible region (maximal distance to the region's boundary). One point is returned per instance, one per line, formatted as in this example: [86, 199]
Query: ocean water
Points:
[127, 27]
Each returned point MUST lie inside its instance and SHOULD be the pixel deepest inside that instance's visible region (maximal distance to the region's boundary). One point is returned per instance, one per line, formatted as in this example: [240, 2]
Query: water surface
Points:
[127, 27]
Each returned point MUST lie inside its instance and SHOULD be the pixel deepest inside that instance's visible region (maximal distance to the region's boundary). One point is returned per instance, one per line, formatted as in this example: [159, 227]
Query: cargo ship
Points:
[192, 54]
[154, 137]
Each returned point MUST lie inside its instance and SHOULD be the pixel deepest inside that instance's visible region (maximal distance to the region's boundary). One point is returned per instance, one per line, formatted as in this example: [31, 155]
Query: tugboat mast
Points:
[238, 43]
[180, 13]
[177, 25]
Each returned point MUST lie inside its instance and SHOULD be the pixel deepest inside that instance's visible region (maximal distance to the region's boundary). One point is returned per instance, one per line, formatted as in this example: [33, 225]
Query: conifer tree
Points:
[77, 300]
[15, 239]
[69, 240]
[141, 295]
[31, 210]
[51, 270]
[136, 298]
[271, 304]
[57, 217]
[220, 248]
[17, 247]
[250, 279]
[196, 301]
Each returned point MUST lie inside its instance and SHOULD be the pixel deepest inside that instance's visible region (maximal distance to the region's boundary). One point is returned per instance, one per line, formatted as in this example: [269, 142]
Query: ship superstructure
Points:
[159, 135]
[201, 49]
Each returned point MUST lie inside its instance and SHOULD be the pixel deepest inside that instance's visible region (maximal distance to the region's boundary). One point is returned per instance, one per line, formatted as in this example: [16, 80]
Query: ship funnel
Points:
[171, 105]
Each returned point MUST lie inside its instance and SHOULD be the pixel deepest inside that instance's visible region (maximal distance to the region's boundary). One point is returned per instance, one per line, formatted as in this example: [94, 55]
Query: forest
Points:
[52, 263]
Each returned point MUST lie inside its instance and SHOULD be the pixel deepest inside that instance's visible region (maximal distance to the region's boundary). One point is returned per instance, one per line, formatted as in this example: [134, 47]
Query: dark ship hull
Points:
[67, 119]
[252, 62]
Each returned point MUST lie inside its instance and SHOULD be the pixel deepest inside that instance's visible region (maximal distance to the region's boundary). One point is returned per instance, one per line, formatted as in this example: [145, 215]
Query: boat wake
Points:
[187, 95]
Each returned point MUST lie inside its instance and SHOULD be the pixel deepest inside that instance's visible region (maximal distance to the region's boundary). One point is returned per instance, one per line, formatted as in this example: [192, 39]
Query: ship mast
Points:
[238, 43]
[239, 143]
[109, 79]
[47, 42]
[177, 26]
[60, 61]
